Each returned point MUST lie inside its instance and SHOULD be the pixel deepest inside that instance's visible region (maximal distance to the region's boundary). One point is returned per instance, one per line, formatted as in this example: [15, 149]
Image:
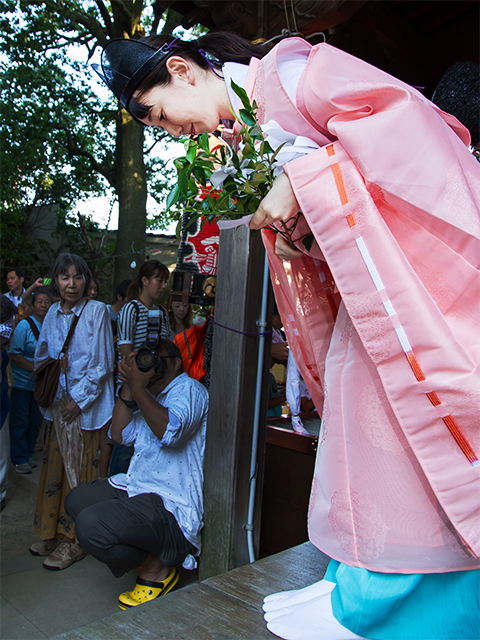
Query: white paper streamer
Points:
[231, 224]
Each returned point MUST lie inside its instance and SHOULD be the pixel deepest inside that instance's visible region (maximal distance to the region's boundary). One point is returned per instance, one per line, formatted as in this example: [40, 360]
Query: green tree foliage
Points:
[61, 143]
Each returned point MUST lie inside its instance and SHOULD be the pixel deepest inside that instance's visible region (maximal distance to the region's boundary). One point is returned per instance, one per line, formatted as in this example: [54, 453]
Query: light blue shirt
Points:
[173, 466]
[23, 343]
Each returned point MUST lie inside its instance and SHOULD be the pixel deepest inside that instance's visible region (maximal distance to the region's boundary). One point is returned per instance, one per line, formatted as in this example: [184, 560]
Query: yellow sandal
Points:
[145, 590]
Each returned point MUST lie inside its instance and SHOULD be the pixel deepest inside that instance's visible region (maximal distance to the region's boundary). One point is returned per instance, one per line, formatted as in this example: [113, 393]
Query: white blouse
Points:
[89, 378]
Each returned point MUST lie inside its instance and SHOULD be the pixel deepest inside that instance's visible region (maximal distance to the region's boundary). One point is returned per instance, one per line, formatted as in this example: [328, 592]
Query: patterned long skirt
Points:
[51, 520]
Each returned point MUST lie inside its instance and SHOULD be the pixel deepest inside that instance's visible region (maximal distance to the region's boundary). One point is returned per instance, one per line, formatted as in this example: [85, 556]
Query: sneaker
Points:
[145, 590]
[32, 464]
[24, 467]
[64, 555]
[44, 547]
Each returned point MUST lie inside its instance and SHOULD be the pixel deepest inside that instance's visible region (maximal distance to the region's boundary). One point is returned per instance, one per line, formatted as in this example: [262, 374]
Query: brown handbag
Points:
[47, 374]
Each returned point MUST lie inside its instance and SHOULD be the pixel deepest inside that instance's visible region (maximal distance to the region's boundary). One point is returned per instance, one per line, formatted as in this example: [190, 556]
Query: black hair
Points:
[40, 290]
[96, 283]
[62, 265]
[209, 52]
[172, 350]
[19, 272]
[122, 289]
[8, 309]
[149, 269]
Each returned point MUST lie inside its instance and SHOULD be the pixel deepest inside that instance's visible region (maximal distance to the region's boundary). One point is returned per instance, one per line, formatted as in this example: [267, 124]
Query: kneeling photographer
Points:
[151, 516]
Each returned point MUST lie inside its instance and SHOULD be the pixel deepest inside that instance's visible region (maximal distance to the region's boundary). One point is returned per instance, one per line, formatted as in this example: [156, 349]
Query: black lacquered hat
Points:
[125, 63]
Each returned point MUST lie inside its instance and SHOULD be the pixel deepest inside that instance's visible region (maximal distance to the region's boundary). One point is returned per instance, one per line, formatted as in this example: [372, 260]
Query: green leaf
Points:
[277, 150]
[307, 241]
[247, 117]
[267, 149]
[247, 187]
[204, 142]
[242, 94]
[172, 197]
[259, 178]
[178, 229]
[199, 174]
[192, 185]
[248, 151]
[183, 182]
[192, 151]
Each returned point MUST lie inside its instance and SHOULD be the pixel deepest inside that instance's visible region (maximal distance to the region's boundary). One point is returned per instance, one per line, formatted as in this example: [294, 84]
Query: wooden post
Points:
[232, 399]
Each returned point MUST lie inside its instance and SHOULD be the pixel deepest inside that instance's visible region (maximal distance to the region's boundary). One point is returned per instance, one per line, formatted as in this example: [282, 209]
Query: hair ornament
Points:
[211, 60]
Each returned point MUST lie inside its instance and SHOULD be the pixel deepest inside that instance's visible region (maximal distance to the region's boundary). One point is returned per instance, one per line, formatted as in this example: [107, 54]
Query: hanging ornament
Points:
[133, 264]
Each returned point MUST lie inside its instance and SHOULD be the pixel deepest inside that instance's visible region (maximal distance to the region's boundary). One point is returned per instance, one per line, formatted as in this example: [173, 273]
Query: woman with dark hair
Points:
[133, 320]
[381, 314]
[83, 404]
[180, 315]
[93, 289]
[142, 293]
[25, 416]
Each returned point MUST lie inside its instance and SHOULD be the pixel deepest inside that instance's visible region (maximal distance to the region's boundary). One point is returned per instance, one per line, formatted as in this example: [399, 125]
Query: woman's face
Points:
[155, 286]
[71, 286]
[180, 309]
[41, 306]
[92, 291]
[193, 102]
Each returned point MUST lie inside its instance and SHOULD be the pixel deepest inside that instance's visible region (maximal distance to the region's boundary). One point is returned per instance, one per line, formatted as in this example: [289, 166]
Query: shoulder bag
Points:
[47, 374]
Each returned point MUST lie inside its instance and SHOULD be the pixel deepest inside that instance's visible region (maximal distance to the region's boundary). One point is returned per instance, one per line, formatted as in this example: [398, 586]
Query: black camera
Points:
[147, 357]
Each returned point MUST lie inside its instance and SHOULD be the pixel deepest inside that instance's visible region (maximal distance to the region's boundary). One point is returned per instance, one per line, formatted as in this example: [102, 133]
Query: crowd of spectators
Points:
[121, 444]
[100, 399]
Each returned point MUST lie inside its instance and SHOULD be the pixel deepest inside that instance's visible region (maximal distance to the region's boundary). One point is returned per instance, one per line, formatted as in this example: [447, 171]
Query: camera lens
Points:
[144, 359]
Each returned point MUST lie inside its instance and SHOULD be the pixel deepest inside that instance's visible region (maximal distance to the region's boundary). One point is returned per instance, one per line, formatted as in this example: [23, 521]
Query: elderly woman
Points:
[83, 404]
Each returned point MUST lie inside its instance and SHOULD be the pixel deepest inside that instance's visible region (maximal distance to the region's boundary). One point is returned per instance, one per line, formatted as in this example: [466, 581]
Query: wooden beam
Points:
[232, 398]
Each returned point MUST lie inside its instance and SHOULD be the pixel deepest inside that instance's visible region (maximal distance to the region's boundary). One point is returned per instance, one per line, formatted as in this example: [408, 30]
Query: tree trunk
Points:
[132, 197]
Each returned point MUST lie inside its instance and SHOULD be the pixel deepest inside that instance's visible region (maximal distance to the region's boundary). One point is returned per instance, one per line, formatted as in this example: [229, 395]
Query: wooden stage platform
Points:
[226, 607]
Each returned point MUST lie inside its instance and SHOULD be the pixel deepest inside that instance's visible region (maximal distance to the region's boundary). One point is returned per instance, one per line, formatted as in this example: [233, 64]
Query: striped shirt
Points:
[132, 325]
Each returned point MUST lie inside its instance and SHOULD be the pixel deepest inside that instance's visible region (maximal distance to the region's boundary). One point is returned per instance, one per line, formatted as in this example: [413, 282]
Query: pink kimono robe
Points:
[392, 198]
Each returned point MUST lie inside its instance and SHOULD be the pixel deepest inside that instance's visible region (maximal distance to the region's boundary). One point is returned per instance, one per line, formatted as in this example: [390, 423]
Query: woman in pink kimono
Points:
[381, 316]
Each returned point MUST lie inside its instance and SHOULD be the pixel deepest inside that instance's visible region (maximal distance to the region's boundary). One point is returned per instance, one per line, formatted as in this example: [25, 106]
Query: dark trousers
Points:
[121, 531]
[25, 423]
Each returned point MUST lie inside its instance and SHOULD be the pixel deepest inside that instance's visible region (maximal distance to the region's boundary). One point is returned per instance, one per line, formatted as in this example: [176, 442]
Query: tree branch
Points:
[75, 150]
[85, 236]
[162, 137]
[105, 15]
[120, 5]
[76, 18]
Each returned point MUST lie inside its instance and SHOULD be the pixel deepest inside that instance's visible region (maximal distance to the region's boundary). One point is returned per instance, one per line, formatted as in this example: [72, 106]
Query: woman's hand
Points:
[280, 204]
[284, 250]
[70, 412]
